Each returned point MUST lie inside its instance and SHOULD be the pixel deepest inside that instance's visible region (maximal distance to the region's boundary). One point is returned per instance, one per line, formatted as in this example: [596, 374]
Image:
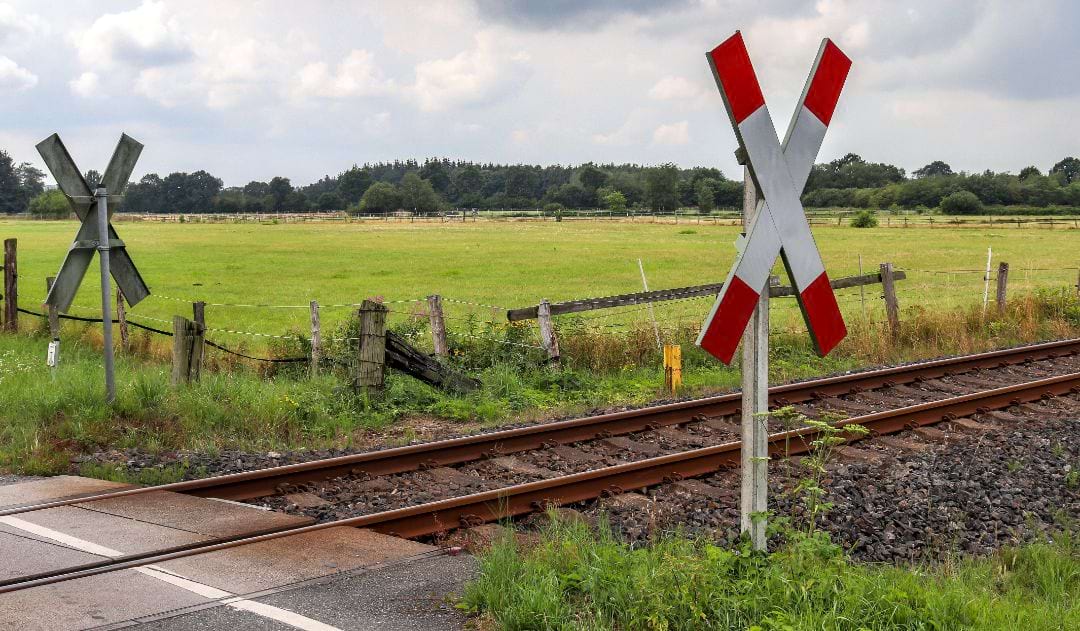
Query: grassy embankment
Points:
[578, 578]
[45, 418]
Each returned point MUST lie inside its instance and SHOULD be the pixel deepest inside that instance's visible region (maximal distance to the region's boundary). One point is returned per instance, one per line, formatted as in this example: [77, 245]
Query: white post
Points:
[102, 198]
[986, 279]
[652, 314]
[754, 458]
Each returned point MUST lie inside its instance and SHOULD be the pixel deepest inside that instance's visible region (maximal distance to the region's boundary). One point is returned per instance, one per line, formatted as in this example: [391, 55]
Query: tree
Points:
[93, 179]
[1069, 168]
[202, 188]
[1027, 172]
[10, 193]
[662, 187]
[418, 194]
[436, 172]
[615, 201]
[31, 182]
[706, 194]
[279, 188]
[521, 181]
[50, 205]
[256, 190]
[591, 177]
[145, 195]
[934, 169]
[329, 201]
[352, 184]
[961, 203]
[467, 184]
[380, 197]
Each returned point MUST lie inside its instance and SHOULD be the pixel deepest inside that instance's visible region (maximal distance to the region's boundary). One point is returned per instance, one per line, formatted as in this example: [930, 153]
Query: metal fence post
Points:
[754, 457]
[102, 198]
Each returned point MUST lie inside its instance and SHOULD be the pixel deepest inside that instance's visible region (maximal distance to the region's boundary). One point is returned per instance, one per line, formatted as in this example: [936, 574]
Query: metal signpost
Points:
[95, 234]
[778, 226]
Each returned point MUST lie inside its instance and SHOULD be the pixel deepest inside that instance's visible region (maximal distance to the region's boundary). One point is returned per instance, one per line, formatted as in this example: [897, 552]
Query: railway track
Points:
[514, 499]
[265, 482]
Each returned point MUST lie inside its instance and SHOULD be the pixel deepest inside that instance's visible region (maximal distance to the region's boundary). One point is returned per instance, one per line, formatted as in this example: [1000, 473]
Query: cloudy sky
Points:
[249, 90]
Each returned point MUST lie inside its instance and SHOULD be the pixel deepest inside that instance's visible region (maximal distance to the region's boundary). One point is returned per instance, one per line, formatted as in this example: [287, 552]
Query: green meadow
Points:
[511, 265]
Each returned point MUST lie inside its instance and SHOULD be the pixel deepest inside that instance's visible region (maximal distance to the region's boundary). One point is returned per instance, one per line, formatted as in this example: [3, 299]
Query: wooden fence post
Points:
[316, 339]
[1002, 281]
[198, 310]
[181, 352]
[371, 360]
[121, 317]
[438, 325]
[548, 338]
[892, 307]
[11, 286]
[54, 317]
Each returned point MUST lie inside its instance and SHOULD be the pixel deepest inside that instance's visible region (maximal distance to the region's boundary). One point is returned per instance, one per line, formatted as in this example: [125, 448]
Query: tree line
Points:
[439, 184]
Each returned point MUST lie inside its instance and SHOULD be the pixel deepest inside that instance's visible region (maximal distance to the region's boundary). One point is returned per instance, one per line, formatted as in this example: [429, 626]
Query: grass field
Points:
[610, 357]
[509, 265]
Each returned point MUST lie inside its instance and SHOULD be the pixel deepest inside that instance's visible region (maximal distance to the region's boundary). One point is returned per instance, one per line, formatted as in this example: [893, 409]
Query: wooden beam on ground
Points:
[400, 355]
[678, 293]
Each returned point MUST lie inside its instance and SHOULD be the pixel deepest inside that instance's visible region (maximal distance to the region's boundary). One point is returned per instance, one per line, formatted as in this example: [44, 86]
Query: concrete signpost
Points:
[95, 234]
[777, 225]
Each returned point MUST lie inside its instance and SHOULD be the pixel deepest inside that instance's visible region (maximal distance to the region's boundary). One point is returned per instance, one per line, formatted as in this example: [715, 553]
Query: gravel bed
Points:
[200, 465]
[966, 491]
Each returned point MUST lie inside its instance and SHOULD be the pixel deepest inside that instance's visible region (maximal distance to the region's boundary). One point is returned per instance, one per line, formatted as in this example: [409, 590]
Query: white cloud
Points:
[15, 77]
[356, 75]
[85, 84]
[674, 89]
[143, 37]
[672, 134]
[13, 25]
[477, 75]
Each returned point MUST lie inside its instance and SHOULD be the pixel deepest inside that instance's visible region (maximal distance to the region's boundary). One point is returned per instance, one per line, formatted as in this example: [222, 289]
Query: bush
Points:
[961, 203]
[50, 205]
[864, 219]
[555, 210]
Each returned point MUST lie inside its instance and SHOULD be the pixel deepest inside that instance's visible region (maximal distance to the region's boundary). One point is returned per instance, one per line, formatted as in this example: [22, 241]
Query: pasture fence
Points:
[374, 345]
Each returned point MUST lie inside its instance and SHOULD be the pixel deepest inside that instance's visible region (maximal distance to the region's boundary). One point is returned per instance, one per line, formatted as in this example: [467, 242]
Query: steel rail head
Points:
[442, 515]
[261, 482]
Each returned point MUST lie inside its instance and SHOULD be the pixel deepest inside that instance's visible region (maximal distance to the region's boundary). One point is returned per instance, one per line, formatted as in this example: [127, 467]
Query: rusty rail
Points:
[262, 482]
[470, 510]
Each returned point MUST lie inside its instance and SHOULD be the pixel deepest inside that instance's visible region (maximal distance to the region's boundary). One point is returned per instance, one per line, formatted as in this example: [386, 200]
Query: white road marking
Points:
[283, 616]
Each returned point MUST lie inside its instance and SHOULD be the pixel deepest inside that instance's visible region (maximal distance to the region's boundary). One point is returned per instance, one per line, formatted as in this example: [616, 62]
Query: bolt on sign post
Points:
[778, 171]
[96, 234]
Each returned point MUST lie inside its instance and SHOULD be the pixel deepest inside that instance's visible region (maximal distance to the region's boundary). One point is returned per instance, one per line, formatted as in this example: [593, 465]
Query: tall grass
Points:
[48, 416]
[578, 578]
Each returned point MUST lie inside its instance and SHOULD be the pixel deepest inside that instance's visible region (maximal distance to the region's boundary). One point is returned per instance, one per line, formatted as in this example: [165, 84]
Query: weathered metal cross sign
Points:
[84, 203]
[780, 173]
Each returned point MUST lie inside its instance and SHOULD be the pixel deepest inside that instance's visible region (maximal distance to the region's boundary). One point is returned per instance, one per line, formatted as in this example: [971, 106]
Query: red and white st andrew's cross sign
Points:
[780, 172]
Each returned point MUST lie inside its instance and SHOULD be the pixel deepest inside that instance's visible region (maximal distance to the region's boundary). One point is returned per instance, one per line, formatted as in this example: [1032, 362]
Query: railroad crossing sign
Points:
[83, 202]
[95, 233]
[780, 172]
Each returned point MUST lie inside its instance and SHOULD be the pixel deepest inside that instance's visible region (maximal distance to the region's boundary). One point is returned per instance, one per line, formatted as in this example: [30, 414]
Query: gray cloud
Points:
[570, 14]
[282, 88]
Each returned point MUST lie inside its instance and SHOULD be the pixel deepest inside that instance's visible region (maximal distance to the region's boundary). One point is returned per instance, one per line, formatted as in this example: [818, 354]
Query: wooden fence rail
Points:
[678, 293]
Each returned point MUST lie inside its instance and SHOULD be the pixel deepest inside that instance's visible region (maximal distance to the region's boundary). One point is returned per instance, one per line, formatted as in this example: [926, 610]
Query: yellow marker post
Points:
[672, 367]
